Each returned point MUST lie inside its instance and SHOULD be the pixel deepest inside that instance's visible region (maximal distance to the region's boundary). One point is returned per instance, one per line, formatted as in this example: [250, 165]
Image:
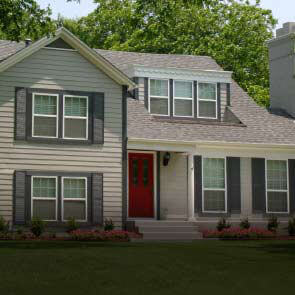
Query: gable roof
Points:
[122, 60]
[11, 53]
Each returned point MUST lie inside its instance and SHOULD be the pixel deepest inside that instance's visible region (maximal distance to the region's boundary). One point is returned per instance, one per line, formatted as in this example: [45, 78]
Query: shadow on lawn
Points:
[276, 248]
[58, 245]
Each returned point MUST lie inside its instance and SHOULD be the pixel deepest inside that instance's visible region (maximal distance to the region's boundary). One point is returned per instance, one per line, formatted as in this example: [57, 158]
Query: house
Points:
[167, 143]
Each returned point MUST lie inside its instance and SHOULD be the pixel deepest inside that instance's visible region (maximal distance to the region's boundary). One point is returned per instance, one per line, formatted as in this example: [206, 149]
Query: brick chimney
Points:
[282, 69]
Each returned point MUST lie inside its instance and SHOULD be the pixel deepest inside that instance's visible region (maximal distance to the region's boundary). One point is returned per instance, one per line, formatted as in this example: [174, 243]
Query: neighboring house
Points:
[187, 144]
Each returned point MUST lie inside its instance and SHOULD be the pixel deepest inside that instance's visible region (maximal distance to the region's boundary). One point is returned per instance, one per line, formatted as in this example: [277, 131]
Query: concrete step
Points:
[167, 229]
[177, 236]
[163, 223]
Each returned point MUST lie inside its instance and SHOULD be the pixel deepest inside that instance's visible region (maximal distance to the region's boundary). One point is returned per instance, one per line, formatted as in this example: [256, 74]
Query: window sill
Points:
[58, 141]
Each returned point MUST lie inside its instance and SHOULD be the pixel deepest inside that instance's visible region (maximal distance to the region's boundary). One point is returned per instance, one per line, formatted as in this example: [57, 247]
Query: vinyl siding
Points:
[173, 187]
[64, 70]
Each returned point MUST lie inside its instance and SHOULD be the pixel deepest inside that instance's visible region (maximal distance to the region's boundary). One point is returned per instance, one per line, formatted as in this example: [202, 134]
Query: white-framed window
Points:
[277, 186]
[74, 198]
[214, 185]
[75, 117]
[207, 100]
[159, 97]
[45, 115]
[183, 100]
[44, 197]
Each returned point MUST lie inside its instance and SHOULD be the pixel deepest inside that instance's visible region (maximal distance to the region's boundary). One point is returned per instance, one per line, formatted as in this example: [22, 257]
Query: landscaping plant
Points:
[72, 224]
[273, 224]
[37, 226]
[291, 227]
[4, 225]
[108, 224]
[245, 224]
[222, 224]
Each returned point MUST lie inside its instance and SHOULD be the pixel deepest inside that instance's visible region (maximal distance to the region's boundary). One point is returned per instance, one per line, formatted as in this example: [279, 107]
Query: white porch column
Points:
[191, 188]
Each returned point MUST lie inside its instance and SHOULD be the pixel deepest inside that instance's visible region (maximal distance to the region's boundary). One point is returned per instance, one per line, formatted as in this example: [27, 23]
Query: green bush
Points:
[72, 224]
[19, 230]
[108, 224]
[245, 224]
[37, 226]
[222, 224]
[273, 223]
[4, 225]
[291, 227]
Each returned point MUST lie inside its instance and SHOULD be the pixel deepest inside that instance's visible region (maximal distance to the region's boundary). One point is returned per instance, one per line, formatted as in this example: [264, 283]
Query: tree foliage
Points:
[233, 32]
[20, 19]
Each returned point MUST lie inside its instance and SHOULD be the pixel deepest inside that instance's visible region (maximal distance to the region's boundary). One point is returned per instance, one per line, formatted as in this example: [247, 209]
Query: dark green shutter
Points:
[196, 99]
[20, 113]
[198, 183]
[292, 185]
[146, 93]
[258, 185]
[97, 198]
[233, 184]
[171, 94]
[98, 118]
[218, 101]
[19, 197]
[228, 99]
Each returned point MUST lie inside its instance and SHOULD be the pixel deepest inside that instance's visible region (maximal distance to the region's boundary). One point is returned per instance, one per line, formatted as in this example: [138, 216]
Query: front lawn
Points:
[202, 267]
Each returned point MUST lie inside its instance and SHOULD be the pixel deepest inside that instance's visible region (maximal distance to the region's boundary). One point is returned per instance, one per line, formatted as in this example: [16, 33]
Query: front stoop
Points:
[168, 230]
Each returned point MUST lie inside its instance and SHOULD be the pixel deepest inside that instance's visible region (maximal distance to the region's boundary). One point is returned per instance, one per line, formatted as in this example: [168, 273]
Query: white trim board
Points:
[181, 74]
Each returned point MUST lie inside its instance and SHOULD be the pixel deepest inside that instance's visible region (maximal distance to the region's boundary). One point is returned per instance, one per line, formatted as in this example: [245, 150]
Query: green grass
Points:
[203, 267]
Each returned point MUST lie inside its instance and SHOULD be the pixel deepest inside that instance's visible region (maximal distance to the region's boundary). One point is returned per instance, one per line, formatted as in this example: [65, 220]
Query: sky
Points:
[283, 10]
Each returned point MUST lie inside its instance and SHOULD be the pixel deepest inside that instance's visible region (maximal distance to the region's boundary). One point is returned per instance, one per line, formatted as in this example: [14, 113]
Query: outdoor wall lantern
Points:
[166, 158]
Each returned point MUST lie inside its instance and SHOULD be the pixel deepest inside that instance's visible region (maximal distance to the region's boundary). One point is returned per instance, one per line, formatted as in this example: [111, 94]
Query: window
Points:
[277, 199]
[183, 98]
[207, 100]
[44, 198]
[214, 184]
[74, 198]
[159, 97]
[75, 117]
[45, 115]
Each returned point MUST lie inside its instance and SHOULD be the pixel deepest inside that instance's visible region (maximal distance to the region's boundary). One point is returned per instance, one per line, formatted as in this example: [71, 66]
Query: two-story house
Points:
[167, 143]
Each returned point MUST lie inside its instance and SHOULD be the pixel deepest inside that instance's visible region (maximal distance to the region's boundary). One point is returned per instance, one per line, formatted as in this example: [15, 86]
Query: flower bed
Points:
[76, 235]
[237, 234]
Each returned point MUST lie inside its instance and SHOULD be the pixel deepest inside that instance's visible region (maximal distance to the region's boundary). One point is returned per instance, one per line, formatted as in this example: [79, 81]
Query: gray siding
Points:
[173, 191]
[65, 70]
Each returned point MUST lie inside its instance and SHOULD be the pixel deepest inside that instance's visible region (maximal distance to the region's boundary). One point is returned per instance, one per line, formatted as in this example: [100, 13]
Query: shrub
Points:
[37, 226]
[92, 235]
[237, 233]
[245, 224]
[108, 224]
[222, 224]
[72, 224]
[273, 224]
[4, 225]
[19, 230]
[291, 227]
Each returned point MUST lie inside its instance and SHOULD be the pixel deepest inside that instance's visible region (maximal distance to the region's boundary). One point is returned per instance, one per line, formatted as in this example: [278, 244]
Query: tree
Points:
[231, 31]
[20, 19]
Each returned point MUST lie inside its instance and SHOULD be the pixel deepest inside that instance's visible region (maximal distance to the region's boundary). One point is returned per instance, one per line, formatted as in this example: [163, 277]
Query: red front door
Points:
[141, 185]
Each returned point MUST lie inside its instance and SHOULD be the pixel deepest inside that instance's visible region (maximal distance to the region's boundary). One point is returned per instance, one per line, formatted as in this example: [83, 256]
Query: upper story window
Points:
[159, 97]
[207, 100]
[75, 117]
[277, 198]
[183, 99]
[45, 115]
[59, 116]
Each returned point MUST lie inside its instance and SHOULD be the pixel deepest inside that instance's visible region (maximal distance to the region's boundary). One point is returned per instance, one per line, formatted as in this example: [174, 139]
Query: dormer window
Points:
[183, 99]
[159, 97]
[207, 100]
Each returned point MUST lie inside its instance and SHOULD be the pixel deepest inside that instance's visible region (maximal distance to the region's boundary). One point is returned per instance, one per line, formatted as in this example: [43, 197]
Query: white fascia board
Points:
[181, 74]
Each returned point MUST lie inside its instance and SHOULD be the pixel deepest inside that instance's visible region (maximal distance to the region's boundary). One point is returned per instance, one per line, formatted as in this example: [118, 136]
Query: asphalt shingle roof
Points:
[259, 125]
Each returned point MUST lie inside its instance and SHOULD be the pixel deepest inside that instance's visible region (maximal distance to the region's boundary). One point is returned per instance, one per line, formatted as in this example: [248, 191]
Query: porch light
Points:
[166, 159]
